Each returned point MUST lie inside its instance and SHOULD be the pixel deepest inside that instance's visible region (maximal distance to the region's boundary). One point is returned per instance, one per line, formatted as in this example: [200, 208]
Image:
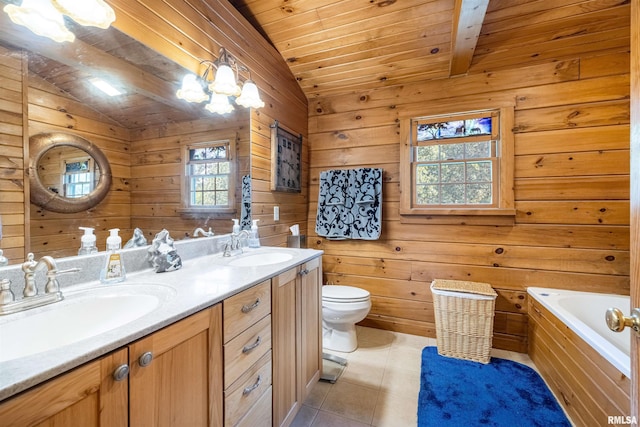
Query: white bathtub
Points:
[584, 313]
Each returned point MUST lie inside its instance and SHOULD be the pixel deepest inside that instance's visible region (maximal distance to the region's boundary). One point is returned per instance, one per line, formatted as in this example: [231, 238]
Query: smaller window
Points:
[78, 177]
[208, 182]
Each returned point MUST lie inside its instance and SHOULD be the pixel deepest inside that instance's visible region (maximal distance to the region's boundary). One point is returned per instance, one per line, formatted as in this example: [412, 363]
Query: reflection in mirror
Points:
[140, 132]
[67, 173]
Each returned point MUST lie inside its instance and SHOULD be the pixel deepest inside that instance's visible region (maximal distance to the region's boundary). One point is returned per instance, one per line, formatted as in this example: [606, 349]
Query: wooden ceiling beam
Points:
[468, 16]
[82, 56]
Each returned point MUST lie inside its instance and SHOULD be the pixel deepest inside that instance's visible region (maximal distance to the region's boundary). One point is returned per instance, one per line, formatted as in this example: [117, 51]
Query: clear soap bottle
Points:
[87, 242]
[254, 238]
[113, 271]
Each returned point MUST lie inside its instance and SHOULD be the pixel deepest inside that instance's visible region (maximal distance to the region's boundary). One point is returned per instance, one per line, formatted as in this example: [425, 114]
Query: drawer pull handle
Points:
[250, 347]
[304, 272]
[249, 389]
[145, 359]
[121, 372]
[248, 308]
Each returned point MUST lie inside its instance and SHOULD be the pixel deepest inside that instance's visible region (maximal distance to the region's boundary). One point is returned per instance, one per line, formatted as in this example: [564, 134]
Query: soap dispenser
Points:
[254, 238]
[87, 242]
[236, 226]
[113, 271]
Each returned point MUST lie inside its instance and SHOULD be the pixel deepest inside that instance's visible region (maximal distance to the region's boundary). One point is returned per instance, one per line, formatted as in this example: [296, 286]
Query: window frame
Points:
[189, 210]
[502, 209]
[66, 176]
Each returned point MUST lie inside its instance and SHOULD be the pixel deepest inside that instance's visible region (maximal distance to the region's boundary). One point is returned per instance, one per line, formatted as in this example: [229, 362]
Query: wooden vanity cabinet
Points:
[176, 374]
[88, 396]
[297, 338]
[247, 357]
[175, 379]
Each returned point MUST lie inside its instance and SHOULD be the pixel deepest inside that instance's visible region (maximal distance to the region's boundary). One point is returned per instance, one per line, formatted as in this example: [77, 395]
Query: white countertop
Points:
[200, 283]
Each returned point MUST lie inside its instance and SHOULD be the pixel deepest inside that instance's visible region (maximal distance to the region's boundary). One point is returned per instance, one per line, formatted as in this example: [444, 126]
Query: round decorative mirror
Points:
[67, 173]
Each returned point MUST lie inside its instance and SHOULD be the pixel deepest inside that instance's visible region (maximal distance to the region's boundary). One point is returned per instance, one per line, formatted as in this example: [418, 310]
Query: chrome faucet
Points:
[234, 246]
[199, 231]
[31, 297]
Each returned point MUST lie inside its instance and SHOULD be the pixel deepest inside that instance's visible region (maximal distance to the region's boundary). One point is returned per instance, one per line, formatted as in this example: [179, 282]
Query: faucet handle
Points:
[52, 283]
[6, 295]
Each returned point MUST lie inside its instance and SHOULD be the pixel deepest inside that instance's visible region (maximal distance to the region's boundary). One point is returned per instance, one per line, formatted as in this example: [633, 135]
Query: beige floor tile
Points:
[406, 340]
[395, 411]
[318, 394]
[326, 419]
[401, 382]
[408, 358]
[364, 372]
[368, 337]
[351, 401]
[305, 417]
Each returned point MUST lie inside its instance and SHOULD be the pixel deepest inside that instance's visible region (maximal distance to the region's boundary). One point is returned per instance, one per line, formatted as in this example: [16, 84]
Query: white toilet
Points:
[342, 308]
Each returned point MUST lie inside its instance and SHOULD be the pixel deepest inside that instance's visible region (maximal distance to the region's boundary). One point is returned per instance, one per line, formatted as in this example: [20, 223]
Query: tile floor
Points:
[379, 387]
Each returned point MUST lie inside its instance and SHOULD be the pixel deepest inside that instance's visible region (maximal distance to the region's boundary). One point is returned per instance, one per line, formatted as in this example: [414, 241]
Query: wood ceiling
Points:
[339, 46]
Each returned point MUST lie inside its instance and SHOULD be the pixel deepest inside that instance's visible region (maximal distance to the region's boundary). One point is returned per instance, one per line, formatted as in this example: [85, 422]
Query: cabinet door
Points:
[285, 336]
[85, 397]
[176, 374]
[310, 289]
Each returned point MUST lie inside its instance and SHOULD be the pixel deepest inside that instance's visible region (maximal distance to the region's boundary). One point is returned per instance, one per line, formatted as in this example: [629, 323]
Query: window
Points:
[209, 182]
[458, 164]
[78, 177]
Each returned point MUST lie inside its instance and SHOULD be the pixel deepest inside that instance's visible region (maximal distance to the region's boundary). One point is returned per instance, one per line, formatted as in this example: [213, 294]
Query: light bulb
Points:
[250, 97]
[191, 90]
[94, 13]
[42, 18]
[219, 104]
[225, 82]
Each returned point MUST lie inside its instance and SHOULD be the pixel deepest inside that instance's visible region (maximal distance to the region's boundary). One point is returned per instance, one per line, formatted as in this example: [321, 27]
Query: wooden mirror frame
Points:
[41, 196]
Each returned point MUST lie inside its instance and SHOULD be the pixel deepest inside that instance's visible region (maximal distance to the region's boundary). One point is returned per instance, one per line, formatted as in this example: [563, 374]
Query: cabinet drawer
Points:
[245, 309]
[245, 392]
[260, 414]
[246, 349]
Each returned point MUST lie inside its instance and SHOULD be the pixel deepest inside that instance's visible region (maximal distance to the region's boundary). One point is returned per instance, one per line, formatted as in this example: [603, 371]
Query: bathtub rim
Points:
[610, 352]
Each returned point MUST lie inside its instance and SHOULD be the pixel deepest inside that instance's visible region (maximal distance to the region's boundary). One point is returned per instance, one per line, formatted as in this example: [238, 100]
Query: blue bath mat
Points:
[503, 393]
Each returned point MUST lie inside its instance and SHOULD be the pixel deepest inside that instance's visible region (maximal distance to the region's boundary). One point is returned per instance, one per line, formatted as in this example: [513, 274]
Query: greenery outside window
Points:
[209, 183]
[458, 164]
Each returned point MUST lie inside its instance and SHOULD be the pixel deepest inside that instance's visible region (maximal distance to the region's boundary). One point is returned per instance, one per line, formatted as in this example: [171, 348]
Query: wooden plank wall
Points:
[293, 206]
[571, 185]
[13, 183]
[156, 165]
[57, 234]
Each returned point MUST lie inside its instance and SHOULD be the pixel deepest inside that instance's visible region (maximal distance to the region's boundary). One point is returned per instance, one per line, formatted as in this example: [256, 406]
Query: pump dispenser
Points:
[87, 242]
[113, 271]
[254, 238]
[236, 226]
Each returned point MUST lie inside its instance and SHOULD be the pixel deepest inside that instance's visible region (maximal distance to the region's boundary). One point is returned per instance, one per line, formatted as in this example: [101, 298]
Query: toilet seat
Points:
[344, 294]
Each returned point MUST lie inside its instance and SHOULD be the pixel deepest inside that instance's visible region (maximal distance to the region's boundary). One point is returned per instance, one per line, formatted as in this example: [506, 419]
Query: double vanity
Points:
[222, 341]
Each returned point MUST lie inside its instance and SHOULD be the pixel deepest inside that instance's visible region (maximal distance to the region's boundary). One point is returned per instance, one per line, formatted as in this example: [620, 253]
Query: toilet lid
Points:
[336, 293]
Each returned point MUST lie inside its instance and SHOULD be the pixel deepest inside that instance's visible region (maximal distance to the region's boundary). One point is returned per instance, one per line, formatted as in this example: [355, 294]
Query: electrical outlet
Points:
[276, 213]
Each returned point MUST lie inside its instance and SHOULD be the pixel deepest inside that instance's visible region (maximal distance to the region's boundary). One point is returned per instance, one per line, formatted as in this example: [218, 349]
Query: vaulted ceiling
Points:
[337, 46]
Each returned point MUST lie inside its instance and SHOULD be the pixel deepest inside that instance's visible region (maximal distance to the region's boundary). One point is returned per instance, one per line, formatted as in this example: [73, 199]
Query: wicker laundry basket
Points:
[464, 314]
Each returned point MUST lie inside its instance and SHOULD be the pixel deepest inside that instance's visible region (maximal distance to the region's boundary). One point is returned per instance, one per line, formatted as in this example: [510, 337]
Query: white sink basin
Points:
[259, 259]
[81, 315]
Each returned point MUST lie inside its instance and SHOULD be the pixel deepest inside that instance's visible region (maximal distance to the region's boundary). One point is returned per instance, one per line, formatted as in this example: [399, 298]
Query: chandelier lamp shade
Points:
[225, 85]
[46, 17]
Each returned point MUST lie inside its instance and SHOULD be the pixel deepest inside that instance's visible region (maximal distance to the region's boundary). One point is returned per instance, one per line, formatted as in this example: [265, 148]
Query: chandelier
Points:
[225, 85]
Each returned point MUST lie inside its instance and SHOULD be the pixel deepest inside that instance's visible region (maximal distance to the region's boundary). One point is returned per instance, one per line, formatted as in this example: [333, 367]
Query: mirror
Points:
[140, 133]
[67, 173]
